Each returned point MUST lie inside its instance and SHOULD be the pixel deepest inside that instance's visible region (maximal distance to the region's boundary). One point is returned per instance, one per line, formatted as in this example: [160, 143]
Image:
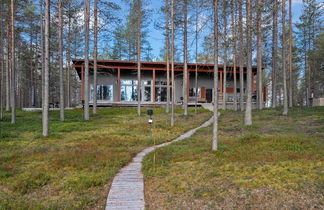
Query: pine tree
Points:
[46, 68]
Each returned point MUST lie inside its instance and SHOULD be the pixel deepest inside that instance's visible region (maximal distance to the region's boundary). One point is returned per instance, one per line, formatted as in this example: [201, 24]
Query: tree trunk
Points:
[46, 68]
[234, 54]
[274, 52]
[196, 60]
[139, 21]
[167, 53]
[215, 92]
[13, 70]
[259, 52]
[60, 37]
[225, 56]
[95, 56]
[285, 101]
[1, 63]
[68, 85]
[241, 50]
[185, 60]
[172, 65]
[290, 56]
[248, 110]
[42, 50]
[86, 55]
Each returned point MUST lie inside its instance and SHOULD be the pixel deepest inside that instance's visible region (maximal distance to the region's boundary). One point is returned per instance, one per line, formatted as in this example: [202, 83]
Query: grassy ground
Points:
[74, 167]
[275, 163]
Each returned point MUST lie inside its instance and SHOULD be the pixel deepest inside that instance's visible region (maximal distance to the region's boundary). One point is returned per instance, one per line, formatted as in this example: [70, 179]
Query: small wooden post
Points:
[153, 86]
[82, 82]
[118, 85]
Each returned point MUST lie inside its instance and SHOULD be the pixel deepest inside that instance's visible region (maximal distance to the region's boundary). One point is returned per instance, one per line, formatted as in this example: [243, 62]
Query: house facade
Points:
[117, 82]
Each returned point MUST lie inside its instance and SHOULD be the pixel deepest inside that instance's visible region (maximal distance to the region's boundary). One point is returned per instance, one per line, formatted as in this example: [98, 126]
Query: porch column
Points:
[221, 86]
[153, 86]
[118, 84]
[188, 86]
[82, 82]
[253, 74]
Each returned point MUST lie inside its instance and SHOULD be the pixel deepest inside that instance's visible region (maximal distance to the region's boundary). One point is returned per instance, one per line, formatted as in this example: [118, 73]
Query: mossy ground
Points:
[73, 167]
[277, 163]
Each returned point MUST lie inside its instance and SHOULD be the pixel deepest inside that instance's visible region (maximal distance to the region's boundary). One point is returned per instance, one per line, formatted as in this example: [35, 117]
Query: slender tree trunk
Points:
[167, 53]
[86, 55]
[234, 54]
[95, 56]
[139, 21]
[46, 68]
[196, 72]
[172, 65]
[13, 70]
[290, 56]
[1, 62]
[215, 92]
[68, 85]
[259, 52]
[241, 55]
[42, 50]
[60, 37]
[274, 52]
[225, 56]
[285, 99]
[185, 60]
[248, 110]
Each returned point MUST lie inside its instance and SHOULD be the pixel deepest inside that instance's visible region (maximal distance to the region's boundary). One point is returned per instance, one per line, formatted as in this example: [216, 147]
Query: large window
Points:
[146, 91]
[128, 90]
[161, 91]
[104, 92]
[192, 92]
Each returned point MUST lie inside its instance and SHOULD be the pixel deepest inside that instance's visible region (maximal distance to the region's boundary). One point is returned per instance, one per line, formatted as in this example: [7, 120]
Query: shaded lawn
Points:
[275, 163]
[73, 167]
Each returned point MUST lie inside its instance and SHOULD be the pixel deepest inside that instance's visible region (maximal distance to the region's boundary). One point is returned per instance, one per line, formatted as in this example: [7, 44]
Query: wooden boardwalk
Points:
[127, 189]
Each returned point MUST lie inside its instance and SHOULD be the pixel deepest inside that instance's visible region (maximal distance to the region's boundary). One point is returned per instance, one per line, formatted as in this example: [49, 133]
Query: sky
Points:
[156, 37]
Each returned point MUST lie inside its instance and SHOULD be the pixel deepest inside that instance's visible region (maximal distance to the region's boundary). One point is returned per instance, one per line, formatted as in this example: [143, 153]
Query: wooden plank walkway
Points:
[127, 189]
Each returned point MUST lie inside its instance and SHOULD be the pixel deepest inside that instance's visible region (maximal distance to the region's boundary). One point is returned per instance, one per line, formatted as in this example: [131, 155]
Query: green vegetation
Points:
[73, 167]
[278, 162]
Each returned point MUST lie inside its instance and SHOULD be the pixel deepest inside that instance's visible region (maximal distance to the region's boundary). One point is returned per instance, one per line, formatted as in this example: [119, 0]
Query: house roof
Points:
[150, 66]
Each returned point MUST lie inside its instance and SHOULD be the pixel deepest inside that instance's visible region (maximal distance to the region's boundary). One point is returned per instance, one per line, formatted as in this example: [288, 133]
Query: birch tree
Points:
[60, 37]
[86, 58]
[215, 92]
[225, 54]
[248, 109]
[233, 12]
[285, 94]
[95, 56]
[46, 69]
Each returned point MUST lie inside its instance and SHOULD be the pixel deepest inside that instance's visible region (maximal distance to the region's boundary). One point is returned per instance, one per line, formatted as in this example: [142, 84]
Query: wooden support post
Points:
[253, 89]
[118, 85]
[221, 85]
[188, 86]
[82, 82]
[153, 86]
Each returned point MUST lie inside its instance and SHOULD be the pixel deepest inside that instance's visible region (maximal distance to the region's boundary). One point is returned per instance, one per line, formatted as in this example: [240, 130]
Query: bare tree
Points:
[167, 41]
[95, 56]
[196, 60]
[1, 63]
[290, 56]
[13, 66]
[241, 55]
[248, 109]
[285, 108]
[234, 53]
[46, 69]
[185, 59]
[60, 37]
[274, 52]
[139, 21]
[215, 92]
[225, 54]
[259, 52]
[42, 19]
[86, 58]
[172, 65]
[68, 79]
